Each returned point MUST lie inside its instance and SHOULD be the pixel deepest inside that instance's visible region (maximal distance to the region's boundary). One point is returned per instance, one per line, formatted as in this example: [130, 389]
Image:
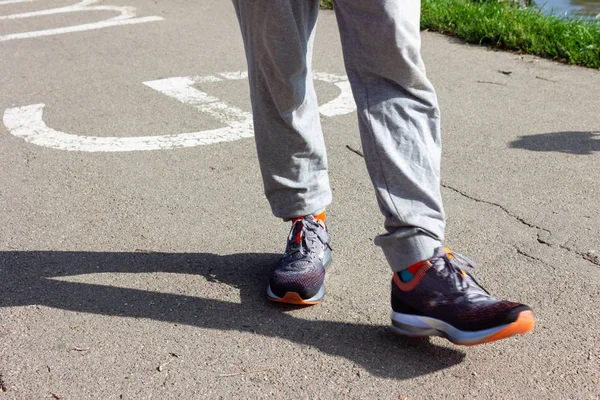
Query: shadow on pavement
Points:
[583, 143]
[26, 278]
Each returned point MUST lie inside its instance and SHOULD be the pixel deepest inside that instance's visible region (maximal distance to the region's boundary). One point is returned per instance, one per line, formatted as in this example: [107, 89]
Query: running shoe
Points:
[437, 297]
[299, 277]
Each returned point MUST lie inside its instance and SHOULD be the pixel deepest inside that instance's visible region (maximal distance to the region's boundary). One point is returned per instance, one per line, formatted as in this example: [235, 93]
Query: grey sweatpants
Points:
[397, 113]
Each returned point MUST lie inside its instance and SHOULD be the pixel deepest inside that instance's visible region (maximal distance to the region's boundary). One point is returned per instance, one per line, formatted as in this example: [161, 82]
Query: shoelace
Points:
[453, 262]
[297, 239]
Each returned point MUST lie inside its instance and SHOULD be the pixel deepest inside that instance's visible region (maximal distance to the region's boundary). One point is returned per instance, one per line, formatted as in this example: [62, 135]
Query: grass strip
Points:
[328, 4]
[505, 25]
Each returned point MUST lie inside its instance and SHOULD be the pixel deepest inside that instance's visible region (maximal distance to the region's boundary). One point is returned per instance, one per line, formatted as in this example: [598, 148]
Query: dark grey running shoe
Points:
[299, 277]
[437, 297]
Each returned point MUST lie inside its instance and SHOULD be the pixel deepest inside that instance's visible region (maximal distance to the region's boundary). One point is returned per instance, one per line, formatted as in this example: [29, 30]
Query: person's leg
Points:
[399, 125]
[278, 39]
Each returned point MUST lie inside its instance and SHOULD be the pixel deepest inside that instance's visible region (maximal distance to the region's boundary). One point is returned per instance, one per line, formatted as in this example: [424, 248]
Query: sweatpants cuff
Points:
[402, 252]
[295, 210]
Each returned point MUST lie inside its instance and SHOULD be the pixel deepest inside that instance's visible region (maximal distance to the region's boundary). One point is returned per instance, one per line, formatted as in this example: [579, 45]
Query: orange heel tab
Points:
[321, 216]
[418, 270]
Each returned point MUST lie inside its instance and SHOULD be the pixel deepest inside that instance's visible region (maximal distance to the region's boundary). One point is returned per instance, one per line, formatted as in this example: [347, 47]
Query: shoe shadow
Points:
[29, 277]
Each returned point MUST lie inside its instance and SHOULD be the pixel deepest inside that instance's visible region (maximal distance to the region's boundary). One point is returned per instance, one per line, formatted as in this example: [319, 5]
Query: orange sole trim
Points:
[294, 298]
[524, 323]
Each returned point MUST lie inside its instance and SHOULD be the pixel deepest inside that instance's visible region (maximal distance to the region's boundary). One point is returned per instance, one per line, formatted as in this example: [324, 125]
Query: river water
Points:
[588, 8]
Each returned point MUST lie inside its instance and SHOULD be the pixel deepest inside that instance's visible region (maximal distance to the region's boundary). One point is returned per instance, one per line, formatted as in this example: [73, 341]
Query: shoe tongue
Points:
[301, 231]
[440, 252]
[298, 226]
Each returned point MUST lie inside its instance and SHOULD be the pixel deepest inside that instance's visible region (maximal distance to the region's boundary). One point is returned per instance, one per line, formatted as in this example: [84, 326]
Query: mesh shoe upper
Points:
[302, 266]
[442, 290]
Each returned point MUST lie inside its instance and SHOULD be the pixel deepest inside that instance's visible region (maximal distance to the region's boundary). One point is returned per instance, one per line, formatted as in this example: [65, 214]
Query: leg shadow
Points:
[27, 278]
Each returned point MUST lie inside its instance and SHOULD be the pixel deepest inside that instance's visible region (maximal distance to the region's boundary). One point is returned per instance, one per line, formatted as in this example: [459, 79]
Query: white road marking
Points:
[182, 89]
[3, 2]
[344, 103]
[85, 5]
[27, 122]
[126, 17]
[234, 75]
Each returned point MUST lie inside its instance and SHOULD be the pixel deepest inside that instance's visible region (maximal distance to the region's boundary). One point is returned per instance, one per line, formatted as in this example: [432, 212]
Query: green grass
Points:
[504, 25]
[327, 4]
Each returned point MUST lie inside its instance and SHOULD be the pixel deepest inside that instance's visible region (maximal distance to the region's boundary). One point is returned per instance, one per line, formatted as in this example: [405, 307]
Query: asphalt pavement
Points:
[135, 240]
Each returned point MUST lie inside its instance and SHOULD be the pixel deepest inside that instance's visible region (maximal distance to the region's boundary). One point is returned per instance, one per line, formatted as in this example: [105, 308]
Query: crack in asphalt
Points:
[542, 241]
[589, 256]
[525, 254]
[500, 206]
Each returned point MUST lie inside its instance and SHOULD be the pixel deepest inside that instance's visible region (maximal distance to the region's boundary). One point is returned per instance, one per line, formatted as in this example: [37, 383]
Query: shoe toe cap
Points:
[305, 281]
